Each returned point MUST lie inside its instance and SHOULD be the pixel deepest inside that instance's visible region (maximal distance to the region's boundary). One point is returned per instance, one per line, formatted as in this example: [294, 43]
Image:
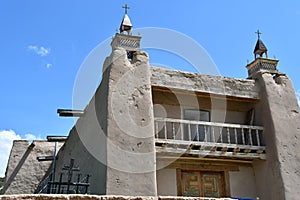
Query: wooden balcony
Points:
[178, 136]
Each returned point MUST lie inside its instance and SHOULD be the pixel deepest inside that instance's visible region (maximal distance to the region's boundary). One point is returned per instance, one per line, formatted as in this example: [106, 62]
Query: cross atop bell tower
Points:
[126, 25]
[124, 38]
[258, 34]
[126, 8]
[260, 47]
[260, 63]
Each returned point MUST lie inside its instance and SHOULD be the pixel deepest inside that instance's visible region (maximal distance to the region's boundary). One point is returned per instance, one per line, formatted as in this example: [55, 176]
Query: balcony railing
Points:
[210, 138]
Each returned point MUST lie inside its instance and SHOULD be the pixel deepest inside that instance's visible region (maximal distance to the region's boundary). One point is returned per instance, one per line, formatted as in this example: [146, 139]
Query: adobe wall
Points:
[113, 141]
[171, 103]
[130, 148]
[176, 112]
[166, 182]
[75, 149]
[218, 85]
[24, 172]
[278, 111]
[242, 182]
[87, 141]
[94, 197]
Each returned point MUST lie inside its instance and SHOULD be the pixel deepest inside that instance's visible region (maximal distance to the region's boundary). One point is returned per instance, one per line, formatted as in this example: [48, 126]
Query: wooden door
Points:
[190, 182]
[201, 184]
[212, 184]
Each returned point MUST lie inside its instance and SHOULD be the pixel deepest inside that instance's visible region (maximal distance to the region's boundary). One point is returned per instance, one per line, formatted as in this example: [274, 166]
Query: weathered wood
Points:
[70, 113]
[217, 124]
[204, 160]
[204, 153]
[209, 144]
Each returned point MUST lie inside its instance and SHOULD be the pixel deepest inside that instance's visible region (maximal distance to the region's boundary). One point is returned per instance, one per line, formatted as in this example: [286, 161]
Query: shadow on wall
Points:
[8, 180]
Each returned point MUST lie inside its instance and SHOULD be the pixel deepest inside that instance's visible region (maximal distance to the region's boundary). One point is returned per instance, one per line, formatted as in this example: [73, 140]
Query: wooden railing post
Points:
[189, 132]
[165, 131]
[257, 138]
[232, 136]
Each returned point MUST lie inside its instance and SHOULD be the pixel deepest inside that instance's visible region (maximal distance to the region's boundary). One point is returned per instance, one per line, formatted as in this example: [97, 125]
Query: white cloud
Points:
[29, 136]
[48, 65]
[6, 140]
[298, 96]
[39, 50]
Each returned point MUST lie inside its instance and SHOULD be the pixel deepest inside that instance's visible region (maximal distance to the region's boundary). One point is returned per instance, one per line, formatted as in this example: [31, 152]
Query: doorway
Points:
[201, 184]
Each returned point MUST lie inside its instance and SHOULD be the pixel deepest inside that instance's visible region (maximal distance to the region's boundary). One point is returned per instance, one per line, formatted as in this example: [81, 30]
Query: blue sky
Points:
[44, 43]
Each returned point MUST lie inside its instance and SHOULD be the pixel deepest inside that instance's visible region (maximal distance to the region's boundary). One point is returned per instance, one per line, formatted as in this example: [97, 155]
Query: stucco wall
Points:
[94, 197]
[113, 141]
[187, 81]
[166, 182]
[242, 182]
[130, 135]
[24, 172]
[86, 143]
[278, 177]
[176, 112]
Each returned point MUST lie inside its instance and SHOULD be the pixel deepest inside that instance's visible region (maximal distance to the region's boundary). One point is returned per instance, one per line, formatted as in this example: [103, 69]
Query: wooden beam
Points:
[70, 113]
[208, 153]
[216, 161]
[209, 144]
[45, 158]
[54, 138]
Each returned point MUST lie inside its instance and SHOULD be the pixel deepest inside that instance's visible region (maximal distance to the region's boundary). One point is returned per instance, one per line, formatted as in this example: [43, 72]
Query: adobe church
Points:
[151, 131]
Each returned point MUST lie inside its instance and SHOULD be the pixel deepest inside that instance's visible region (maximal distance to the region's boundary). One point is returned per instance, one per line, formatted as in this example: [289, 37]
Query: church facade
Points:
[152, 131]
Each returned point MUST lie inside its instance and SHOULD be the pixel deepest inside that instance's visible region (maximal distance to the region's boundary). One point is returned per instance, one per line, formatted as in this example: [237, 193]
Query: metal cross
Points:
[126, 8]
[258, 34]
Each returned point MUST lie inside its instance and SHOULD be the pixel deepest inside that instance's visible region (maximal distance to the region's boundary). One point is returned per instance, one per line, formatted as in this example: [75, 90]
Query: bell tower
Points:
[124, 38]
[260, 62]
[129, 120]
[260, 47]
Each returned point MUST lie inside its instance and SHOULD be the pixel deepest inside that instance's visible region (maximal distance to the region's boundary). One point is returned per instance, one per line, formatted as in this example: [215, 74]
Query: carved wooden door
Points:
[202, 184]
[190, 184]
[212, 184]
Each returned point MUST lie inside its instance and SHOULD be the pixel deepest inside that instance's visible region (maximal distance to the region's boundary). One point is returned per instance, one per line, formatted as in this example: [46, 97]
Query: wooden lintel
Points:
[204, 160]
[204, 166]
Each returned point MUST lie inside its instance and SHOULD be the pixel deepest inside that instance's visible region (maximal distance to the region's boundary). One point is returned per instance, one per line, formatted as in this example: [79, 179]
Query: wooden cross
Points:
[258, 34]
[70, 168]
[126, 8]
